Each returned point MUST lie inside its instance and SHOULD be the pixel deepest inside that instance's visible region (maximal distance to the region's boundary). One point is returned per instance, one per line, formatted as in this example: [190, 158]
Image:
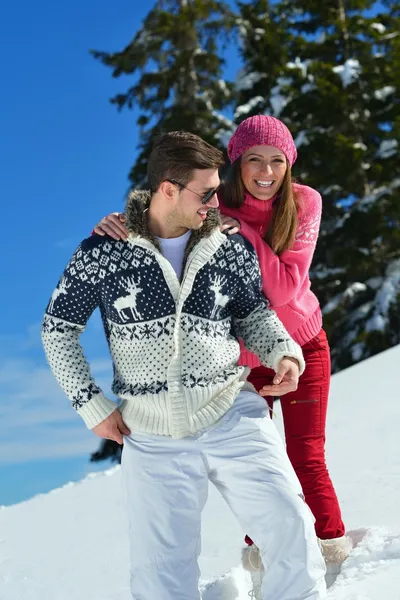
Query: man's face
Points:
[188, 211]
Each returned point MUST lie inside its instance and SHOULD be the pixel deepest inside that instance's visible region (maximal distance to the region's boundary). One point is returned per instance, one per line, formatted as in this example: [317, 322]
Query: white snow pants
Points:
[166, 484]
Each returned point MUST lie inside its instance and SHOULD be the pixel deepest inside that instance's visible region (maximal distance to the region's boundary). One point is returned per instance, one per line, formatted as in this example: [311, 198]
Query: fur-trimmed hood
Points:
[138, 202]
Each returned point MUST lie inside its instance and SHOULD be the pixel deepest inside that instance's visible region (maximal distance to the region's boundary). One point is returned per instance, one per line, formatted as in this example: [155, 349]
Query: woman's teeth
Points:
[264, 183]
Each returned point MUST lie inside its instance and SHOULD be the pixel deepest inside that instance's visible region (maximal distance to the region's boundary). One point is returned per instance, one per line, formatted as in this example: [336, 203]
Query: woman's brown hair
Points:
[281, 233]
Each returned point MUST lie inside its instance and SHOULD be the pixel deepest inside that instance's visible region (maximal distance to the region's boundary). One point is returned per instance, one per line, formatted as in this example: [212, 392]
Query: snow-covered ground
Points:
[71, 544]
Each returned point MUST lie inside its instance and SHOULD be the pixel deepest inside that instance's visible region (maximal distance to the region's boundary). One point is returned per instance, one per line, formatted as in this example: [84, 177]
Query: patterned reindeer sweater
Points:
[173, 343]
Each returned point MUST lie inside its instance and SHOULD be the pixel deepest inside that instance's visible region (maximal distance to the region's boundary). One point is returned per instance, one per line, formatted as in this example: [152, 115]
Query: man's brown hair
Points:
[175, 155]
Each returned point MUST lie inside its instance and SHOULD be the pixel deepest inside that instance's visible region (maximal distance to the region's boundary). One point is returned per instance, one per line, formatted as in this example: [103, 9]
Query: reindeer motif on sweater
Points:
[60, 289]
[130, 301]
[217, 283]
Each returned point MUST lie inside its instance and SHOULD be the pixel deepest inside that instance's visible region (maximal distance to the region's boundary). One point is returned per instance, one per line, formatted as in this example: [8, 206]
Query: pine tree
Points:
[336, 89]
[265, 49]
[109, 450]
[176, 59]
[349, 154]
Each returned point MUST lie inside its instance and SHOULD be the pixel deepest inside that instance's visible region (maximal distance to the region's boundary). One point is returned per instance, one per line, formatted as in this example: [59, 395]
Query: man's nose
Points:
[213, 201]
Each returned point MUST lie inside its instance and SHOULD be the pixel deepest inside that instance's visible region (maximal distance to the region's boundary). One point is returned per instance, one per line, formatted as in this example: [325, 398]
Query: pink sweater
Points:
[286, 281]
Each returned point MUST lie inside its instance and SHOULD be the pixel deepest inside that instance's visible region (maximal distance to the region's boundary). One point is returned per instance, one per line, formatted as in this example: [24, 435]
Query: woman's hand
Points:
[113, 225]
[286, 379]
[229, 225]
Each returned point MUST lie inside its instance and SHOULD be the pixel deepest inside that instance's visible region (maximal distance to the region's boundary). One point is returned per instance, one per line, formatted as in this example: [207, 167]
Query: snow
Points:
[374, 282]
[73, 542]
[338, 223]
[348, 294]
[245, 81]
[244, 109]
[387, 290]
[387, 148]
[277, 99]
[331, 188]
[391, 36]
[243, 28]
[301, 139]
[223, 87]
[224, 137]
[322, 272]
[349, 71]
[357, 351]
[384, 92]
[379, 27]
[372, 571]
[226, 128]
[375, 323]
[360, 146]
[386, 295]
[371, 198]
[308, 87]
[258, 33]
[299, 64]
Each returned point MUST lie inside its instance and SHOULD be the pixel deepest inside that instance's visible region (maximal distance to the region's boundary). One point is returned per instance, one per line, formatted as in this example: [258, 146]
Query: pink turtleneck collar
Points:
[254, 212]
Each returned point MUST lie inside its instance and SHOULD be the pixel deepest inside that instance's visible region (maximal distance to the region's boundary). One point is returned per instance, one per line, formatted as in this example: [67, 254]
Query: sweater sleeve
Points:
[259, 327]
[71, 304]
[284, 275]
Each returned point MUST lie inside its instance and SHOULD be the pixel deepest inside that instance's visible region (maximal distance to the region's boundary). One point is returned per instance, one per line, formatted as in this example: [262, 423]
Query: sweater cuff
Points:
[287, 349]
[96, 410]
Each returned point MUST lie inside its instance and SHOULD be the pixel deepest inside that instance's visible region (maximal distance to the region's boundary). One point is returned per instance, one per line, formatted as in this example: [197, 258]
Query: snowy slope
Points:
[71, 544]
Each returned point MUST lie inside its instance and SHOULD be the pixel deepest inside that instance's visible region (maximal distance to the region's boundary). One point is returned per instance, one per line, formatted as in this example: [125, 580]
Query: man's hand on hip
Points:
[286, 379]
[112, 428]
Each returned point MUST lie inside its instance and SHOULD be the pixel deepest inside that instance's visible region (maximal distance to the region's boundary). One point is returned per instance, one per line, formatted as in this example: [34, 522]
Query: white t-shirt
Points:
[173, 250]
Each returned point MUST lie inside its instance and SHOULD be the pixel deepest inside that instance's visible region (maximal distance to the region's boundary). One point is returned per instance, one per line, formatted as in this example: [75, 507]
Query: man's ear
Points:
[168, 190]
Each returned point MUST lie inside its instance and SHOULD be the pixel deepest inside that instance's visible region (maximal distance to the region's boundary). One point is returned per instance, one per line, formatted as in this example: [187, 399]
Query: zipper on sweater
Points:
[302, 401]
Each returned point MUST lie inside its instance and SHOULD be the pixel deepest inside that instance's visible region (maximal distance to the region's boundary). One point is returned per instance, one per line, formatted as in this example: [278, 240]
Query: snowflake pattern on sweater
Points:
[174, 345]
[308, 226]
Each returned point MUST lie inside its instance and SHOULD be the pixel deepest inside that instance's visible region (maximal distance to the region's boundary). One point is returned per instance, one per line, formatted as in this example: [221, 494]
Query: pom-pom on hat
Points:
[262, 130]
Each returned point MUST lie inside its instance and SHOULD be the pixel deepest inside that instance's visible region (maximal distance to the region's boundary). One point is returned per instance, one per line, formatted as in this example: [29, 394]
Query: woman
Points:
[281, 219]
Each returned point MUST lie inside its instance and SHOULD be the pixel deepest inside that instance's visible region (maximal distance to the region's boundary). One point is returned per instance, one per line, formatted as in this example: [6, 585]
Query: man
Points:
[174, 298]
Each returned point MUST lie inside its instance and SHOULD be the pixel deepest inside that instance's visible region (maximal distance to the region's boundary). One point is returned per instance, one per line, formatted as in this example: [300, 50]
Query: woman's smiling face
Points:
[263, 169]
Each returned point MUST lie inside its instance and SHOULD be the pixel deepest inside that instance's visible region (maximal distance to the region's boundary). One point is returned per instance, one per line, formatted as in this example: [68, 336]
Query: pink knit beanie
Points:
[262, 130]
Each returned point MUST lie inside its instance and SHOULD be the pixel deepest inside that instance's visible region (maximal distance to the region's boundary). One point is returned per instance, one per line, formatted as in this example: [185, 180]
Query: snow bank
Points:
[73, 542]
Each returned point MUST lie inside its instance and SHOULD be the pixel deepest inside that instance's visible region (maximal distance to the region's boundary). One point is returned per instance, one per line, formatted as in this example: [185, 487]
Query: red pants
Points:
[304, 415]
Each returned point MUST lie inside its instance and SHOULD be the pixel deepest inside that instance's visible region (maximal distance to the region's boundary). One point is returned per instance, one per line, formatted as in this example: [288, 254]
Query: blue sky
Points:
[65, 153]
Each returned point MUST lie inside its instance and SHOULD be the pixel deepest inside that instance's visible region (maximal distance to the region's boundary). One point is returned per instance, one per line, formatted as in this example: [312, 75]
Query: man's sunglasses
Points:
[204, 199]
